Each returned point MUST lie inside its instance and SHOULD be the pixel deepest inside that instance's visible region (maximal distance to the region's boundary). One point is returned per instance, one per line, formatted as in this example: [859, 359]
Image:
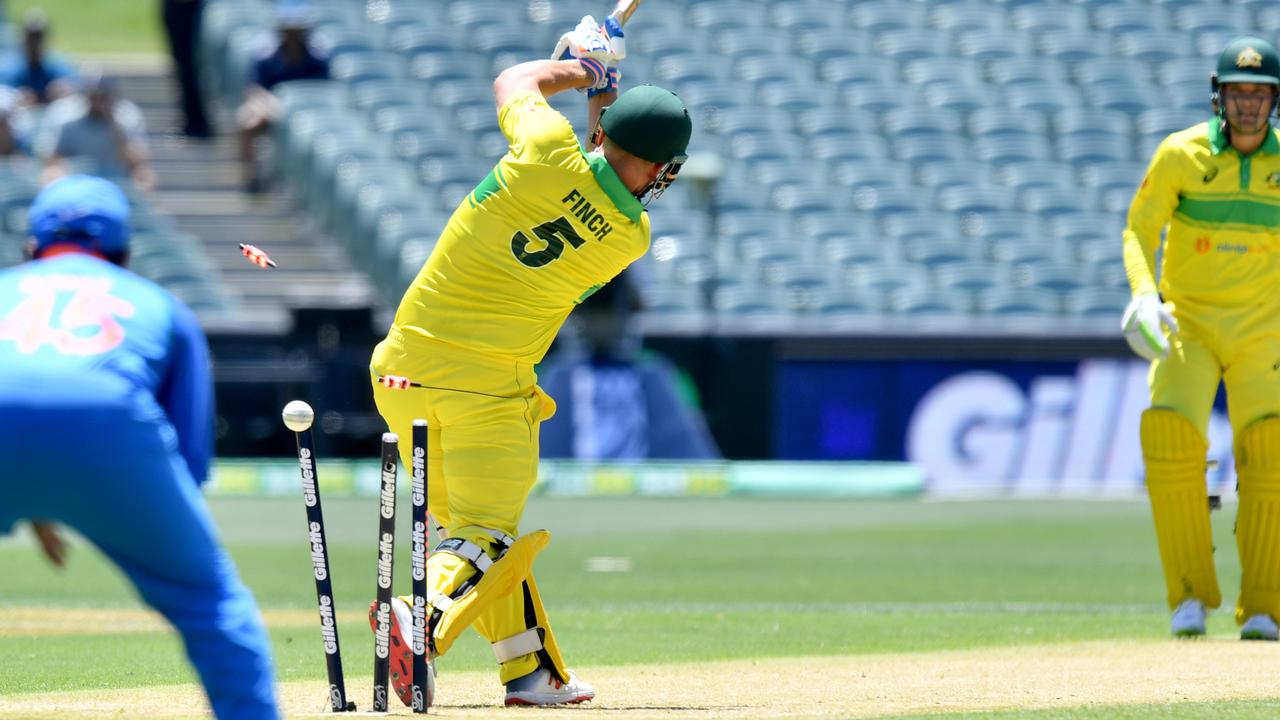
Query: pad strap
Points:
[466, 550]
[472, 552]
[529, 641]
[439, 600]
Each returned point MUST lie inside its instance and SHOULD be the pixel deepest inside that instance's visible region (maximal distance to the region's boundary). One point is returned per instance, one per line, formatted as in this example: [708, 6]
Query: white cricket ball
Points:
[298, 416]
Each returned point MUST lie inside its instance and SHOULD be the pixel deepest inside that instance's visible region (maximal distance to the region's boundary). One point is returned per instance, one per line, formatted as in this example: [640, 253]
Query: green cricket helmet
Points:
[653, 124]
[1249, 60]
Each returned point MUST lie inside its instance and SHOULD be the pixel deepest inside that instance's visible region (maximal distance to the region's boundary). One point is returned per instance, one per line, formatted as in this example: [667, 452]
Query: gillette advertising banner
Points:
[982, 428]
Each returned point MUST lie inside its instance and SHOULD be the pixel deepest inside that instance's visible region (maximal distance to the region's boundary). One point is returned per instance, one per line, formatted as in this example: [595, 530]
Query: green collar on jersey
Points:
[612, 185]
[1218, 140]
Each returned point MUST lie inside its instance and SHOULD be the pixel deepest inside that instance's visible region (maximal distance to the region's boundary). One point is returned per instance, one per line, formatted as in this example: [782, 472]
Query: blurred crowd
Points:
[68, 120]
[71, 119]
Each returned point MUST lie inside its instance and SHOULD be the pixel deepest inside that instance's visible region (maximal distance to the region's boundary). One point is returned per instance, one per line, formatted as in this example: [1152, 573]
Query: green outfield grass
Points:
[1243, 710]
[81, 28]
[709, 579]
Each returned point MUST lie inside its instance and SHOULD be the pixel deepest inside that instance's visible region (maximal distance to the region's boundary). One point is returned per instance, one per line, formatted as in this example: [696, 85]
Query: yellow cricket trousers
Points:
[483, 415]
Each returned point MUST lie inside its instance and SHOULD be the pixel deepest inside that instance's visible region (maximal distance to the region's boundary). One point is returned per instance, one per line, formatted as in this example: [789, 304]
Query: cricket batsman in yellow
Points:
[1215, 316]
[550, 224]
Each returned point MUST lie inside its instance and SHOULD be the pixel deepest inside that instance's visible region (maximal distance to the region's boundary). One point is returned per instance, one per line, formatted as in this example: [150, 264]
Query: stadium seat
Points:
[916, 122]
[999, 150]
[878, 279]
[670, 302]
[1069, 230]
[993, 46]
[1050, 202]
[1110, 69]
[1200, 18]
[843, 148]
[857, 174]
[1048, 98]
[1130, 17]
[1103, 303]
[913, 302]
[968, 276]
[993, 226]
[829, 45]
[726, 14]
[1083, 121]
[872, 70]
[906, 44]
[1006, 121]
[906, 228]
[1035, 247]
[1164, 121]
[1029, 174]
[1049, 276]
[1014, 302]
[835, 307]
[928, 148]
[1073, 47]
[1004, 74]
[1081, 150]
[933, 250]
[1041, 17]
[963, 16]
[842, 250]
[948, 173]
[1118, 175]
[1153, 47]
[801, 17]
[410, 40]
[880, 16]
[945, 70]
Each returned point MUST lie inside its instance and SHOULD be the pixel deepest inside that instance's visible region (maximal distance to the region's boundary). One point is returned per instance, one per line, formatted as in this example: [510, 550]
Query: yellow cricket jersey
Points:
[1223, 213]
[548, 226]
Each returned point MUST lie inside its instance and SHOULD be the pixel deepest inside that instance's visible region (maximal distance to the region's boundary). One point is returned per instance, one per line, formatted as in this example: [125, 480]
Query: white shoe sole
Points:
[535, 699]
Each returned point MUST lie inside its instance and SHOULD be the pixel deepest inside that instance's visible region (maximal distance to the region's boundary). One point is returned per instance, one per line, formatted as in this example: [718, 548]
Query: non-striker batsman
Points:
[550, 223]
[1215, 316]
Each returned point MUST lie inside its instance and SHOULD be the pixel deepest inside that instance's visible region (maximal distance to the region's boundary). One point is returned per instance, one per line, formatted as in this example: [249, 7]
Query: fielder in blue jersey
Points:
[106, 425]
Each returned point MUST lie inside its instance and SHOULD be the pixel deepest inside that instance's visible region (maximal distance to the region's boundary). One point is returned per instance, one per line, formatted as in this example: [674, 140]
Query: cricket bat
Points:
[623, 10]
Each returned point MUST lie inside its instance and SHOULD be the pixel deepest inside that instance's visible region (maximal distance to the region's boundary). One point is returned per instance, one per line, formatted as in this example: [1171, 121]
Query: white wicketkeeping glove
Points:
[1142, 326]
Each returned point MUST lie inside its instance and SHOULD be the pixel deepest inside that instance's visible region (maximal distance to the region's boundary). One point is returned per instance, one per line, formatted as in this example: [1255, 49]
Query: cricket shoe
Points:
[401, 651]
[1259, 627]
[1188, 619]
[541, 687]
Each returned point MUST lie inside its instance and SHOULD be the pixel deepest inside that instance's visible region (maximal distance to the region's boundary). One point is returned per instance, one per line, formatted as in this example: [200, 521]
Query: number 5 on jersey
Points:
[553, 236]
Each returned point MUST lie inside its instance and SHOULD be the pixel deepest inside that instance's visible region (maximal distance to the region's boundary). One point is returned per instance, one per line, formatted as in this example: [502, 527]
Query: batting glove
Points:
[589, 43]
[1142, 326]
[611, 77]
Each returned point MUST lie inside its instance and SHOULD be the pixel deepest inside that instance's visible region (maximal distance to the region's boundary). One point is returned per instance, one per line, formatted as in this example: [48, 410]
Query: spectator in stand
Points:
[104, 134]
[291, 58]
[15, 125]
[41, 78]
[182, 26]
[618, 400]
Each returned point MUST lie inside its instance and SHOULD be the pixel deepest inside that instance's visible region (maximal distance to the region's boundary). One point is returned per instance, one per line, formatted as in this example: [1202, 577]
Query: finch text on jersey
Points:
[592, 218]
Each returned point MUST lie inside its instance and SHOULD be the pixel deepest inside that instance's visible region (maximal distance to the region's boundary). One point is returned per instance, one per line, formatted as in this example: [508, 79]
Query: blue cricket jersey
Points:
[78, 332]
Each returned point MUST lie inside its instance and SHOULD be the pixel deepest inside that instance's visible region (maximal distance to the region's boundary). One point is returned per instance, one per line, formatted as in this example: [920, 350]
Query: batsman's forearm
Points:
[1139, 263]
[547, 77]
[595, 104]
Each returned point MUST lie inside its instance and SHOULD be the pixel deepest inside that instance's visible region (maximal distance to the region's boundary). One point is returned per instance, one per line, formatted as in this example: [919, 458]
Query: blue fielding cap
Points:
[81, 209]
